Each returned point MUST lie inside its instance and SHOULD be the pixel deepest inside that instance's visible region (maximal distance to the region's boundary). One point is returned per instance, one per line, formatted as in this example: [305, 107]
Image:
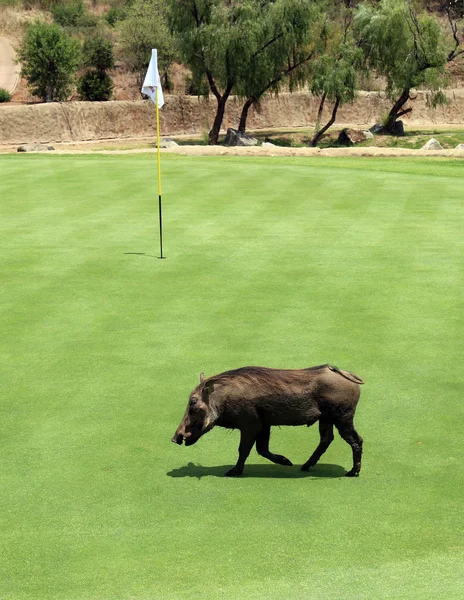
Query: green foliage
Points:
[95, 85]
[5, 95]
[73, 14]
[406, 48]
[68, 14]
[335, 73]
[145, 28]
[115, 14]
[49, 61]
[279, 38]
[97, 52]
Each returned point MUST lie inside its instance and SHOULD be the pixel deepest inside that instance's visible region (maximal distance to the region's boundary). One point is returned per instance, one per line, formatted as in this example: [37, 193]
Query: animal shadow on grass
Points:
[262, 471]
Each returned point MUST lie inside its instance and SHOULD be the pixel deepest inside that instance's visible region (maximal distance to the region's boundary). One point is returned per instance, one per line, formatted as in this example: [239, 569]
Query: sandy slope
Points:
[9, 70]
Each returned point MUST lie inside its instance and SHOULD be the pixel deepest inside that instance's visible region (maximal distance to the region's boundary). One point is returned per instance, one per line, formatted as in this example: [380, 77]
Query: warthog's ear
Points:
[208, 388]
[202, 377]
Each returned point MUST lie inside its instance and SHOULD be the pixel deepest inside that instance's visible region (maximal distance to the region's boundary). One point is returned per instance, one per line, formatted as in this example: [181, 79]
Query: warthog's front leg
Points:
[262, 446]
[247, 440]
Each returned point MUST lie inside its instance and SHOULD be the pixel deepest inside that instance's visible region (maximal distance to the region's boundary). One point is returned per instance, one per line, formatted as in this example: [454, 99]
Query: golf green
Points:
[279, 262]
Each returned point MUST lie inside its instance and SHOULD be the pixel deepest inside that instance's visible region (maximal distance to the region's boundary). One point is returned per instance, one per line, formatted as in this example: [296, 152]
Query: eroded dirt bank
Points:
[81, 121]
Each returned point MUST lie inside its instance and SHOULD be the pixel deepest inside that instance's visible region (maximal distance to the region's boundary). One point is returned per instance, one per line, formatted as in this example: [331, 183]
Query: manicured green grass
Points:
[278, 262]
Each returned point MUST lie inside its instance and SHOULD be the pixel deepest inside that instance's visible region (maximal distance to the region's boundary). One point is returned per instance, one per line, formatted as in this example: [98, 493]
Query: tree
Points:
[145, 28]
[98, 57]
[404, 47]
[279, 39]
[49, 61]
[334, 73]
[211, 41]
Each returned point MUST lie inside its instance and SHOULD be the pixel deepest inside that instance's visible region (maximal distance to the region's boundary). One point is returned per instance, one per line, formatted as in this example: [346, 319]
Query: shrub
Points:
[95, 86]
[68, 14]
[49, 60]
[115, 14]
[5, 95]
[97, 52]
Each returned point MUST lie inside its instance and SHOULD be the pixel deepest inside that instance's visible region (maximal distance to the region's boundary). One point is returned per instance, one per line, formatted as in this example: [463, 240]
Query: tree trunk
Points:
[397, 111]
[244, 115]
[213, 135]
[319, 113]
[49, 94]
[317, 136]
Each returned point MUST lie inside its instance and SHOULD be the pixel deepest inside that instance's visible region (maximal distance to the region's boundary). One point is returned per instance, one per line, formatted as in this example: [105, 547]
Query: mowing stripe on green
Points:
[278, 262]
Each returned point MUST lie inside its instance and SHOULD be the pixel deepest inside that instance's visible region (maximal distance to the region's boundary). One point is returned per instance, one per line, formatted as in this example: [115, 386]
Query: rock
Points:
[35, 148]
[460, 147]
[268, 145]
[168, 143]
[235, 138]
[377, 128]
[369, 135]
[432, 144]
[397, 128]
[350, 137]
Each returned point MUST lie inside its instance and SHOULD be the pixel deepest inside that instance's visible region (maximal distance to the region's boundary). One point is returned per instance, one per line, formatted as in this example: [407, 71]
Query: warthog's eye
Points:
[193, 402]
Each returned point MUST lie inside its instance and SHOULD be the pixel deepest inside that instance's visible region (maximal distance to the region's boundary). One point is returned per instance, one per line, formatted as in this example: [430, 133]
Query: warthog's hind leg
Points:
[352, 437]
[262, 446]
[326, 433]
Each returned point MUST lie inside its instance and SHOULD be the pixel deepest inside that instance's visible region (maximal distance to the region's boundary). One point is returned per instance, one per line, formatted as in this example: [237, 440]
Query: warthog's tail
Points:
[346, 374]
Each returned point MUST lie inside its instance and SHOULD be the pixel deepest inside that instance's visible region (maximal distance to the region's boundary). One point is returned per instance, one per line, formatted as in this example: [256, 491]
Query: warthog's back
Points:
[287, 397]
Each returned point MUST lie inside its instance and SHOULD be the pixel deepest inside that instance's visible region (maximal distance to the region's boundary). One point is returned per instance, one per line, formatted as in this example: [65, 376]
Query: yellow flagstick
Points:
[159, 172]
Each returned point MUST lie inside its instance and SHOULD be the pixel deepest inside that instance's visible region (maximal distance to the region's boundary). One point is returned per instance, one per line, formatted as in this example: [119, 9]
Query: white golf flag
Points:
[153, 81]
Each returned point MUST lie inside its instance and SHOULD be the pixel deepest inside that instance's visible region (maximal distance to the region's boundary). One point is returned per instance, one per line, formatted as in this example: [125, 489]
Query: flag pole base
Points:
[161, 257]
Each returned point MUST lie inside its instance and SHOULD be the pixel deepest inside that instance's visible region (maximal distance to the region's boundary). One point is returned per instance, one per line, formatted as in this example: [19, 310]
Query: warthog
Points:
[253, 399]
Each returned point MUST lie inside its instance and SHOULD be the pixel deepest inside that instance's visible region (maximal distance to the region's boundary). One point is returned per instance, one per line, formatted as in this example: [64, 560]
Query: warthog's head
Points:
[199, 416]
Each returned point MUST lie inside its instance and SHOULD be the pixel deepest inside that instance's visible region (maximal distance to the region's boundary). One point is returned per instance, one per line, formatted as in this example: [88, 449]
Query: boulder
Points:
[432, 144]
[268, 145]
[168, 143]
[460, 147]
[377, 128]
[350, 137]
[235, 138]
[396, 129]
[35, 148]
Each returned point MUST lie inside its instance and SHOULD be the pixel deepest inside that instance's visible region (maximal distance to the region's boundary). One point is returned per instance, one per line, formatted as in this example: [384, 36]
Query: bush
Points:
[49, 60]
[97, 52]
[95, 86]
[115, 14]
[5, 95]
[68, 14]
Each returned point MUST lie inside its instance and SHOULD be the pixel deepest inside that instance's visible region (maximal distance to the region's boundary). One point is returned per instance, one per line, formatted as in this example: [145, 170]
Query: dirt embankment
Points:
[80, 121]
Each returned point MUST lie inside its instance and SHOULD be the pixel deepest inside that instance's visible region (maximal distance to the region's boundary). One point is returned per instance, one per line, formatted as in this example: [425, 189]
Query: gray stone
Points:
[397, 129]
[377, 128]
[350, 137]
[268, 145]
[460, 147]
[369, 135]
[432, 144]
[35, 148]
[235, 138]
[168, 143]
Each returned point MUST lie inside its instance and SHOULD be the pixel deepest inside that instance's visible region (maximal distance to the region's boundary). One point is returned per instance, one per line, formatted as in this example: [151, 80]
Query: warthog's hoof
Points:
[352, 473]
[282, 460]
[234, 472]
